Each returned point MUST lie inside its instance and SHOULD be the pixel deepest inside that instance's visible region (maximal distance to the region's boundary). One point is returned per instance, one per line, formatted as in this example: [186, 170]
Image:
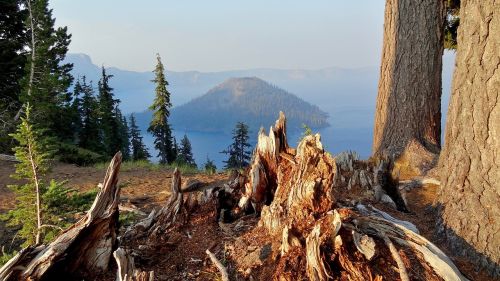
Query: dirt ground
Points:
[182, 256]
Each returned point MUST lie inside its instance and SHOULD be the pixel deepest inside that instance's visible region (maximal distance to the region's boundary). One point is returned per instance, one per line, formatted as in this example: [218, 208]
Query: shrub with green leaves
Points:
[210, 167]
[42, 208]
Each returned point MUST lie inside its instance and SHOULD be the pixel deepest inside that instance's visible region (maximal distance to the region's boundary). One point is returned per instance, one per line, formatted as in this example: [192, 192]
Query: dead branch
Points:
[219, 265]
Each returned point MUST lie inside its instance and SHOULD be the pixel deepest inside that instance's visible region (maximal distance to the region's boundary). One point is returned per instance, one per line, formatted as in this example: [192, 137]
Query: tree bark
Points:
[409, 92]
[470, 161]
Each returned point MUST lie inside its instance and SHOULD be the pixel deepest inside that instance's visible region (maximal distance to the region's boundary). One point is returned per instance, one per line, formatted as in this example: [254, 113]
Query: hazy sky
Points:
[221, 35]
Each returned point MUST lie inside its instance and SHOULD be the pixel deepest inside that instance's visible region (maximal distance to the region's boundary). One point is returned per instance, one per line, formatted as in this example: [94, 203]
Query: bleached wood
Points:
[219, 265]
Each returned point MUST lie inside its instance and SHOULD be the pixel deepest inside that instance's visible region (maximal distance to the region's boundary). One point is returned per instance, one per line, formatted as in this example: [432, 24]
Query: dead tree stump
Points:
[82, 251]
[324, 234]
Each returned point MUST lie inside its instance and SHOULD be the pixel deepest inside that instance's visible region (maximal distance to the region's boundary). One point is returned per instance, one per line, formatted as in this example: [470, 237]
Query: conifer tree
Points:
[108, 121]
[13, 61]
[159, 126]
[48, 78]
[33, 153]
[76, 110]
[139, 150]
[238, 151]
[89, 137]
[123, 133]
[185, 153]
[210, 167]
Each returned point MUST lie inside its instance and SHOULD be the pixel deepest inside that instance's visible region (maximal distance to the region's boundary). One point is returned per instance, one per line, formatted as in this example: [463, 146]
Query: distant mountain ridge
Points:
[250, 100]
[328, 88]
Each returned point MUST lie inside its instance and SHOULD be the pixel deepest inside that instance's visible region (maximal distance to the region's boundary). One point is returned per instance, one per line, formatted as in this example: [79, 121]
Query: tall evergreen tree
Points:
[76, 110]
[239, 151]
[108, 121]
[124, 135]
[13, 61]
[48, 79]
[159, 126]
[185, 153]
[89, 136]
[139, 150]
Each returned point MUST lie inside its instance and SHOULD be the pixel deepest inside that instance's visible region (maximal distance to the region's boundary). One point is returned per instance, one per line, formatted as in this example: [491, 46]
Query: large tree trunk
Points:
[470, 161]
[408, 115]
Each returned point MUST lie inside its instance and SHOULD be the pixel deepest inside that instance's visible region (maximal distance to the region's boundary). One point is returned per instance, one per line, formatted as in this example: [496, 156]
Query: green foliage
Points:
[183, 167]
[185, 153]
[239, 151]
[51, 77]
[56, 202]
[12, 62]
[159, 126]
[307, 131]
[5, 257]
[210, 167]
[89, 137]
[452, 22]
[108, 116]
[34, 154]
[139, 150]
[71, 153]
[127, 218]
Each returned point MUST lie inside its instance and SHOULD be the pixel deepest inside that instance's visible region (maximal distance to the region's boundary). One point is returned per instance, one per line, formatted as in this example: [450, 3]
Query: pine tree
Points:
[108, 121]
[210, 167]
[238, 151]
[76, 110]
[139, 150]
[159, 126]
[33, 153]
[123, 132]
[89, 137]
[13, 61]
[47, 79]
[185, 153]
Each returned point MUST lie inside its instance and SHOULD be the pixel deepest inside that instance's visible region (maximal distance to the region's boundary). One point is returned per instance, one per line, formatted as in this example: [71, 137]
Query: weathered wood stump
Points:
[323, 235]
[82, 251]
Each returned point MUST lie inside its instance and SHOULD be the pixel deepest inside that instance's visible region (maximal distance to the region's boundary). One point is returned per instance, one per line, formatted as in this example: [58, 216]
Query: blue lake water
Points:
[334, 139]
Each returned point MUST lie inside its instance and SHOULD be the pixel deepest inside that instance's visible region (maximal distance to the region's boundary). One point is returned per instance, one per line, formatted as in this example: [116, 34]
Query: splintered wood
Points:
[82, 251]
[338, 239]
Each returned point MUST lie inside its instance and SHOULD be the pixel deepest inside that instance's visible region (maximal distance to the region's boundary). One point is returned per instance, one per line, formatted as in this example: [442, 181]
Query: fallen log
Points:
[82, 251]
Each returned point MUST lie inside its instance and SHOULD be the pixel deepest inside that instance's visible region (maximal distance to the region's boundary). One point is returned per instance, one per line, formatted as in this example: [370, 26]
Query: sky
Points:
[220, 35]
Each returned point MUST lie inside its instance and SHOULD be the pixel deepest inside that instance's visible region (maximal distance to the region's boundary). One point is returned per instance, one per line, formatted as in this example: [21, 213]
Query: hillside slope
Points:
[249, 100]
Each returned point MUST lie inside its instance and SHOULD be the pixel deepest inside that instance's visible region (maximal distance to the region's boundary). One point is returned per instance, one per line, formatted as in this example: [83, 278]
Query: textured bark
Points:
[84, 250]
[470, 161]
[409, 91]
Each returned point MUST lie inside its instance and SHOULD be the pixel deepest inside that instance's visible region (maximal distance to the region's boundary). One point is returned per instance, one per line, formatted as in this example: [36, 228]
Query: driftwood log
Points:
[319, 226]
[82, 251]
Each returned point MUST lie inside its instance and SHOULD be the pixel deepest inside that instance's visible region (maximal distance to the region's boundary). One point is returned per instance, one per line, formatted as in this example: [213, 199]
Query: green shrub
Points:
[5, 257]
[210, 167]
[70, 153]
